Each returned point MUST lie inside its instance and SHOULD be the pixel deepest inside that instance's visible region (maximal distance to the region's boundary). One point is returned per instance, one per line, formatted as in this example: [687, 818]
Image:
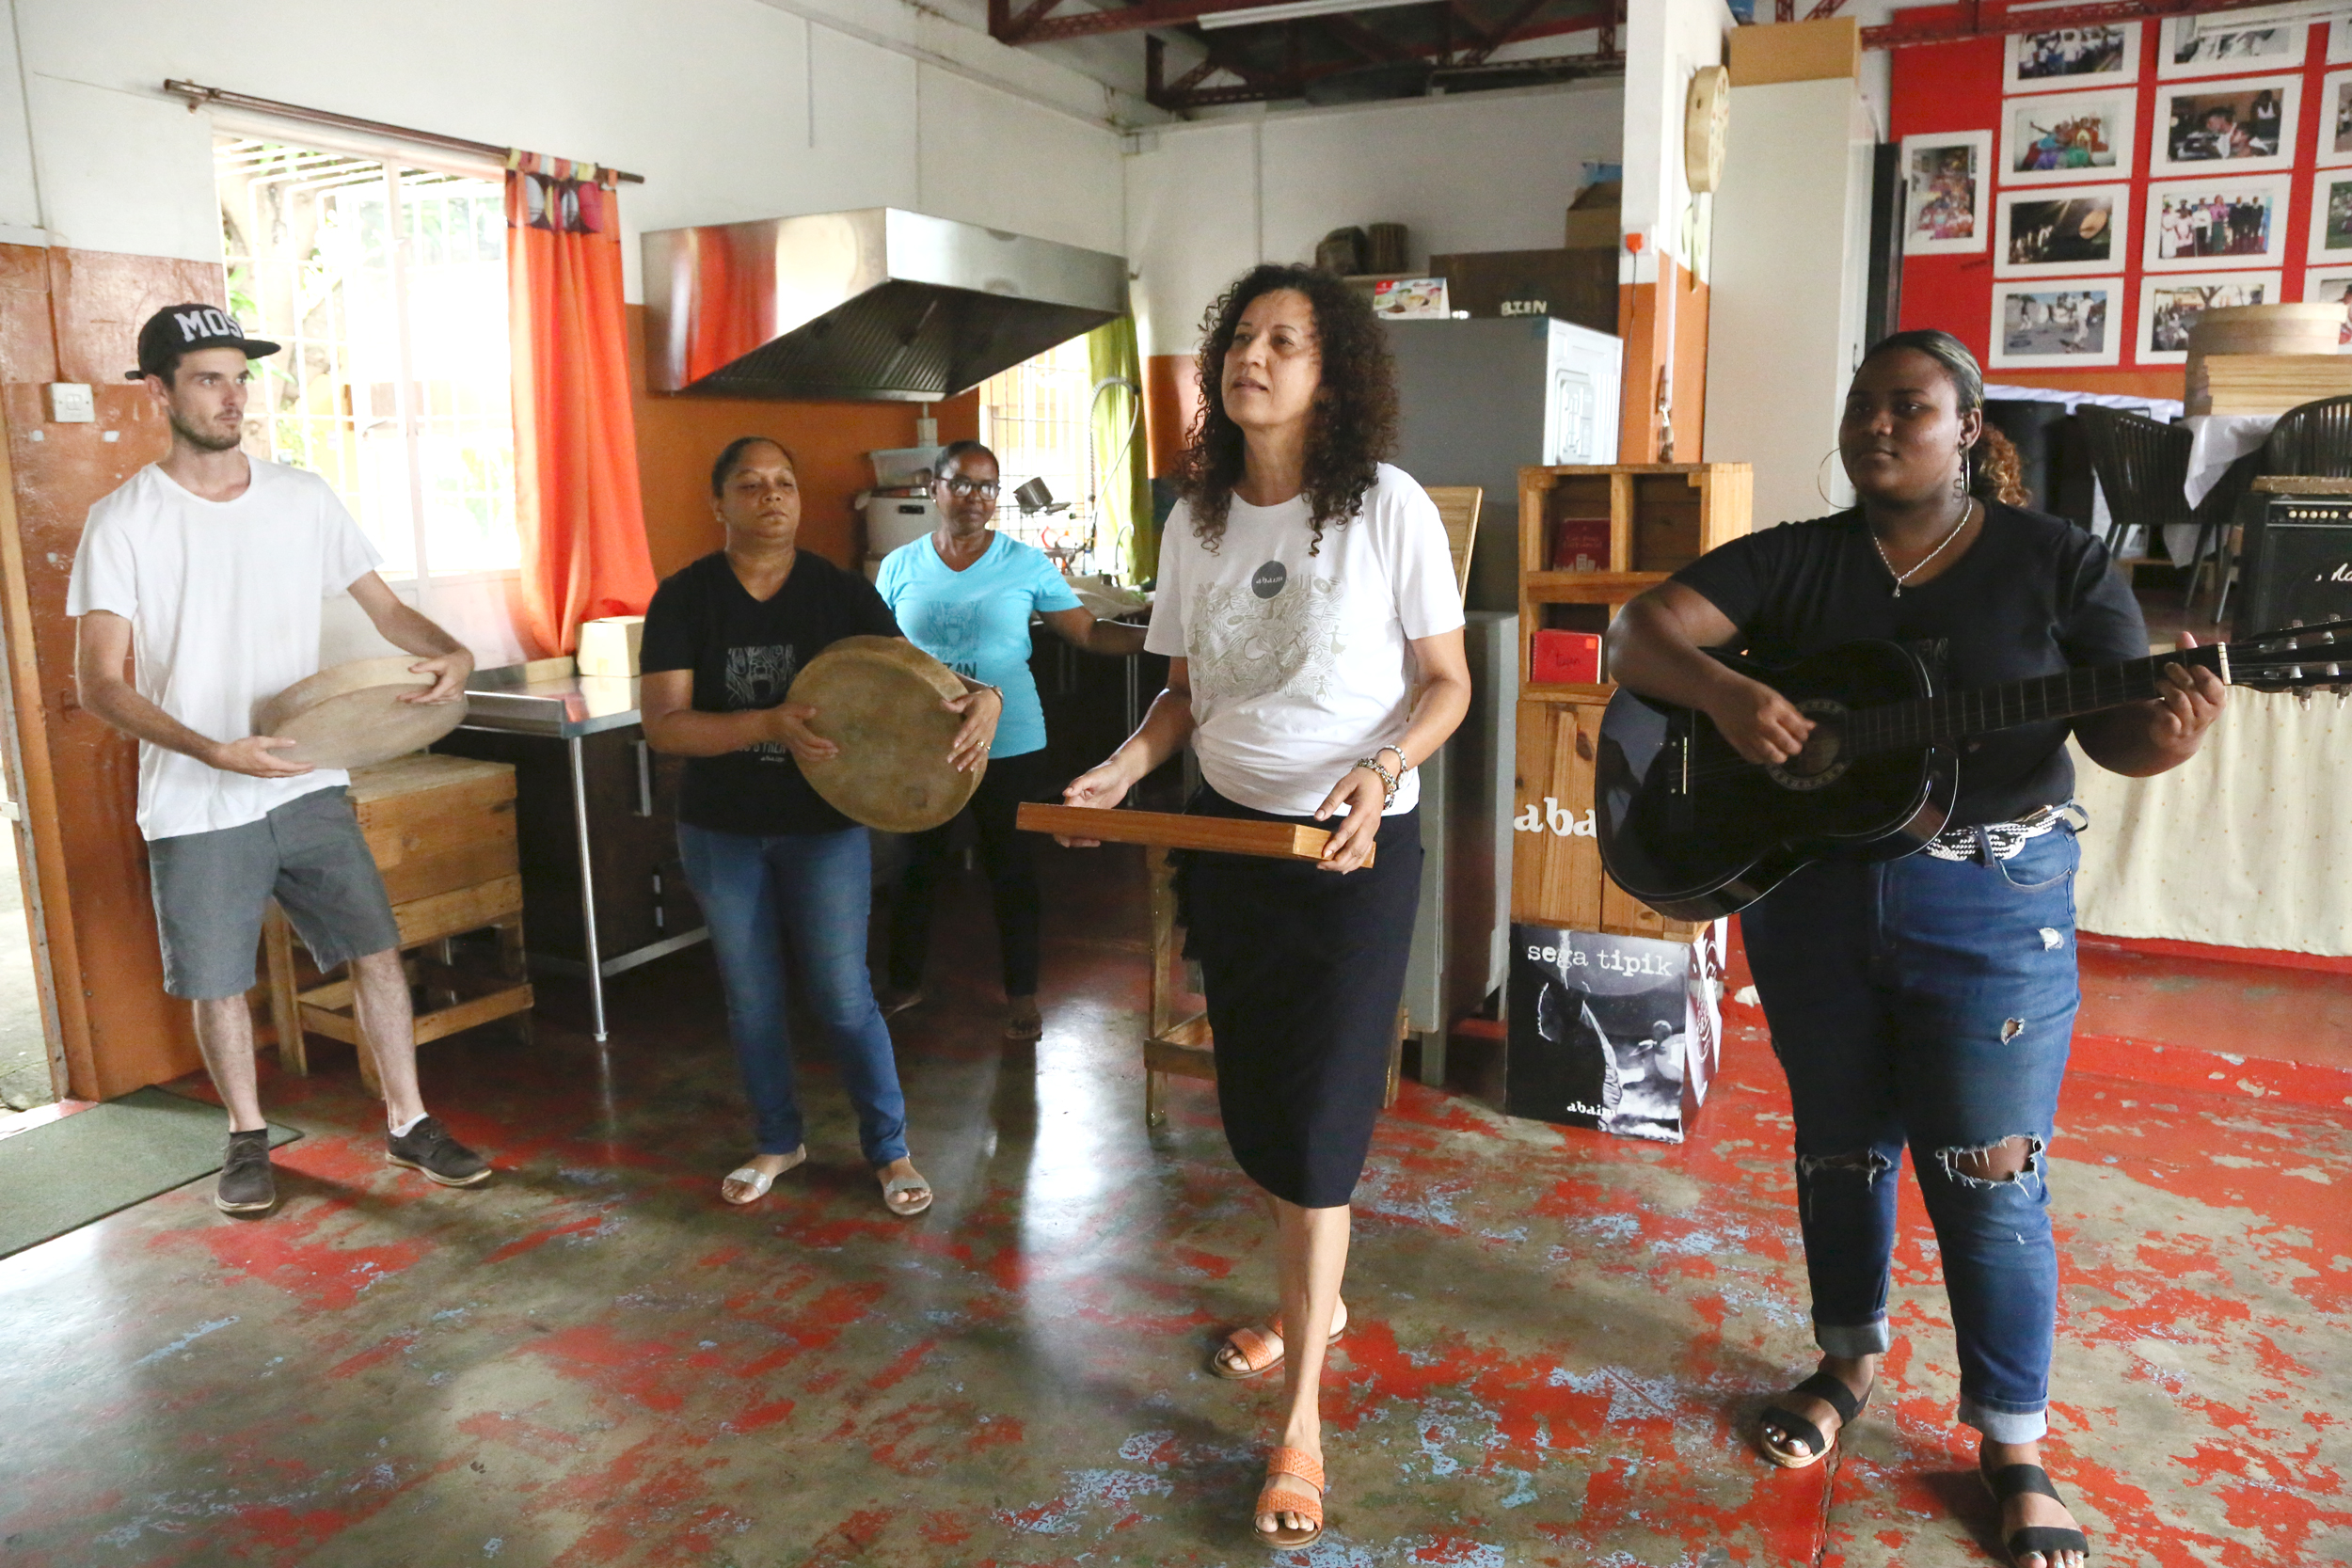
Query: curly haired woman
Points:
[1308, 607]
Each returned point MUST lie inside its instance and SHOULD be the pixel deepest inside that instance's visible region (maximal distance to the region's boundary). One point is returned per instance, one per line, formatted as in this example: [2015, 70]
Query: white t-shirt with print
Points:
[1301, 663]
[223, 599]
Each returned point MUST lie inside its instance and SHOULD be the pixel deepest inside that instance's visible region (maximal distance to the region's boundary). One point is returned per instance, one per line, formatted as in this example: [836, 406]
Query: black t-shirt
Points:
[744, 652]
[2034, 595]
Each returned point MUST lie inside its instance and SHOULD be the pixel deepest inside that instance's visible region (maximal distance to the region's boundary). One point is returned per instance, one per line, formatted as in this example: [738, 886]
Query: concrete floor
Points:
[1561, 1340]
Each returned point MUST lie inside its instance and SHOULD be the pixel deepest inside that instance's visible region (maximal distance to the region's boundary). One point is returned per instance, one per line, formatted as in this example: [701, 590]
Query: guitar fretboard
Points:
[1954, 715]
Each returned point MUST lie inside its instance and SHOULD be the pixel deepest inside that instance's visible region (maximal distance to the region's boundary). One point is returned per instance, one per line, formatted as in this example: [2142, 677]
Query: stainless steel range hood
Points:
[879, 303]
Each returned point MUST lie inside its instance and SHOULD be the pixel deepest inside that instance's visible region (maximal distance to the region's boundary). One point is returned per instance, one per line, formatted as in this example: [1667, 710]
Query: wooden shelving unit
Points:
[1661, 516]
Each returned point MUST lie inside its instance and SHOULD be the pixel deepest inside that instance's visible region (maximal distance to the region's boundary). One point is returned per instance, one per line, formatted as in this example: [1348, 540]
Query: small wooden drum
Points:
[878, 699]
[351, 715]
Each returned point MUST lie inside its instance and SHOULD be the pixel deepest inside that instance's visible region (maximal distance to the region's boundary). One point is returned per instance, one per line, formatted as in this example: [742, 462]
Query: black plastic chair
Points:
[2143, 468]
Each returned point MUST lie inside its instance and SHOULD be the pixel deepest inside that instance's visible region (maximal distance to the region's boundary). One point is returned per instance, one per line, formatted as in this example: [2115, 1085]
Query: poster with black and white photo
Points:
[2098, 55]
[1619, 1034]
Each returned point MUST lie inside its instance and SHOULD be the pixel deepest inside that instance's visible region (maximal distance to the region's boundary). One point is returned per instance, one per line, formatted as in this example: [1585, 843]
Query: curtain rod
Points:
[198, 95]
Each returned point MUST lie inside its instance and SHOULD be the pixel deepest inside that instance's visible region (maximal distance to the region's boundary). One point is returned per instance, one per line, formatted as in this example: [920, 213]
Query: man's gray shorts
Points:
[212, 890]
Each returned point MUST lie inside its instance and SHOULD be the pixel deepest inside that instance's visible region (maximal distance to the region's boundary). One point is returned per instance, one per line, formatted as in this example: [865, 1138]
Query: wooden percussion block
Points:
[351, 715]
[878, 698]
[1168, 830]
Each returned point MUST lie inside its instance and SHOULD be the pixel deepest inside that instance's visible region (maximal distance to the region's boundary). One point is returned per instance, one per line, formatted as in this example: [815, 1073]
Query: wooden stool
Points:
[1179, 1043]
[442, 832]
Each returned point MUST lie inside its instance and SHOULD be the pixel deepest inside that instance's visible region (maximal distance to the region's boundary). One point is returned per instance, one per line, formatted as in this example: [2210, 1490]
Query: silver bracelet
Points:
[1387, 780]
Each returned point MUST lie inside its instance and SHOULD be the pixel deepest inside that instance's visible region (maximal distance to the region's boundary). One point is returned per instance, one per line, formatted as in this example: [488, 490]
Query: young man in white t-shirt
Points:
[212, 568]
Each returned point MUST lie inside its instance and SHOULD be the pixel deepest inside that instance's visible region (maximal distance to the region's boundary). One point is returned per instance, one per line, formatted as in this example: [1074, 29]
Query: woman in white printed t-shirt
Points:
[1308, 605]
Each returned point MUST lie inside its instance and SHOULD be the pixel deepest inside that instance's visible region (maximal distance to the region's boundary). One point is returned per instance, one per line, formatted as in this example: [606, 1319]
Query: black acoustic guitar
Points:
[1695, 831]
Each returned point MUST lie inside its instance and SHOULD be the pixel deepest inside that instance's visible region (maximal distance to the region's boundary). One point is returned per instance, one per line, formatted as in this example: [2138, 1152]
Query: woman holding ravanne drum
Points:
[773, 865]
[1926, 1002]
[1308, 605]
[964, 597]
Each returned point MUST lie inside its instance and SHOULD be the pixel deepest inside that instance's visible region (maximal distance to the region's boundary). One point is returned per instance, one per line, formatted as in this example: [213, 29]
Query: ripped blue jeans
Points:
[1928, 1003]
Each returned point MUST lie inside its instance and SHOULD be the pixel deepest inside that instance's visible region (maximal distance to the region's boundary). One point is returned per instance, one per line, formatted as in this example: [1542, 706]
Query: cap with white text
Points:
[178, 329]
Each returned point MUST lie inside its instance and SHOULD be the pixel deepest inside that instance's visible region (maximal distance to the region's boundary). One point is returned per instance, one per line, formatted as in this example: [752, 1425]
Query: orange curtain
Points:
[581, 514]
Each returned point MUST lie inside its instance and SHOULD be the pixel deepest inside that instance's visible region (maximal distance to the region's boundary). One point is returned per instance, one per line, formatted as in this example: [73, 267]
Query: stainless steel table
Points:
[569, 709]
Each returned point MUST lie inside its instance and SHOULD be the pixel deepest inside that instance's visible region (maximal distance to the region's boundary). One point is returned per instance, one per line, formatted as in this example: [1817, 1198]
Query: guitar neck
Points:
[1954, 716]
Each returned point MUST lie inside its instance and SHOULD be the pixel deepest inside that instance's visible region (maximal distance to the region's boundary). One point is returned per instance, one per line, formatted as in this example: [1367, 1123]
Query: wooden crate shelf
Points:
[1662, 516]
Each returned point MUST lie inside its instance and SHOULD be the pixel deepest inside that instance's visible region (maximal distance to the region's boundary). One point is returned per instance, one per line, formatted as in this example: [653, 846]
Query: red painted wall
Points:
[1957, 87]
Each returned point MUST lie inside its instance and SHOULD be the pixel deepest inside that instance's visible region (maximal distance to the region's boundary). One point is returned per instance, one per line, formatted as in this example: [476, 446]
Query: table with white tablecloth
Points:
[2247, 845]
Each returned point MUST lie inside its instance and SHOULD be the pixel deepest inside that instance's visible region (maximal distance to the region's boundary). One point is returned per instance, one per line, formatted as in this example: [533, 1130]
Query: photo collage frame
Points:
[2059, 191]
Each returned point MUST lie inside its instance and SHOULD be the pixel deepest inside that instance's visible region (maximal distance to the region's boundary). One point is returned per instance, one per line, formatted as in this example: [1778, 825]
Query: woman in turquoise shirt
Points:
[964, 595]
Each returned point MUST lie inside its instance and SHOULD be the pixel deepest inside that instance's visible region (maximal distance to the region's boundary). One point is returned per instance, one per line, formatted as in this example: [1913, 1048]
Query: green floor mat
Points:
[62, 1175]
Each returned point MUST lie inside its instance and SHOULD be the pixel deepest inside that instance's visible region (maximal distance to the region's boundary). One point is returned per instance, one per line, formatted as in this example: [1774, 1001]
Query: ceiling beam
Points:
[1490, 42]
[1033, 26]
[1372, 46]
[1005, 28]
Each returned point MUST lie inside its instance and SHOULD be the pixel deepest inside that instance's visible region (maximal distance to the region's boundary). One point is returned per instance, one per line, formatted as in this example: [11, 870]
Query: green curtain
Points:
[1128, 537]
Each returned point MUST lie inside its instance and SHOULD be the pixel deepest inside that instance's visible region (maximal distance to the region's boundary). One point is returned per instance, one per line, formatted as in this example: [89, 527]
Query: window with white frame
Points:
[387, 286]
[1034, 417]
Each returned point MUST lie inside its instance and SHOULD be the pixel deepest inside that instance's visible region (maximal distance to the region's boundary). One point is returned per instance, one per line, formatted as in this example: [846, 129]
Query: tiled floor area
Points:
[1559, 1343]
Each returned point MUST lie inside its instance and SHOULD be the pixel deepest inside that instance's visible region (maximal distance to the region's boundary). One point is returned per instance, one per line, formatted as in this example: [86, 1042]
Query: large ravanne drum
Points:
[352, 715]
[878, 699]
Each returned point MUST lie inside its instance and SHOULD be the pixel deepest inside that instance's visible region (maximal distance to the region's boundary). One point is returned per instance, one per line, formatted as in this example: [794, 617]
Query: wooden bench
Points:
[442, 832]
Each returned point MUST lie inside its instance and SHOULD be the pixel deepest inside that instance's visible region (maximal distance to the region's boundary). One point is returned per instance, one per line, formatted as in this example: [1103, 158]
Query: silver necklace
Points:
[1901, 578]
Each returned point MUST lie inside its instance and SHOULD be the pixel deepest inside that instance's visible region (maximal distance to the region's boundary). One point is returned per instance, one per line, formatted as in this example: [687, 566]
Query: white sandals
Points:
[895, 1196]
[753, 1182]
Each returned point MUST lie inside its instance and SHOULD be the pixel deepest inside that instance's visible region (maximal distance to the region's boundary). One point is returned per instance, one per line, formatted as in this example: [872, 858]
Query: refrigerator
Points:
[1479, 399]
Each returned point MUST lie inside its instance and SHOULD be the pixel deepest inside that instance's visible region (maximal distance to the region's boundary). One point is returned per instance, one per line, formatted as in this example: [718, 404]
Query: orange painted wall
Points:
[74, 315]
[1643, 326]
[678, 435]
[1171, 400]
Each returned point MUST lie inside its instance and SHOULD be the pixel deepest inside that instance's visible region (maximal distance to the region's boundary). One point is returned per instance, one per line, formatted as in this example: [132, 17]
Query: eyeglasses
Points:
[986, 487]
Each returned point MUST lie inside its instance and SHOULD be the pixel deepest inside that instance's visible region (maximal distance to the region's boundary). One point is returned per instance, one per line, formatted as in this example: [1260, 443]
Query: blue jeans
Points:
[806, 893]
[1928, 1003]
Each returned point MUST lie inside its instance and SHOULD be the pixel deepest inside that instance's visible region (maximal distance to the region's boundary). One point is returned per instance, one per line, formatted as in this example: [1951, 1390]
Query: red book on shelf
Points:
[1567, 658]
[1580, 544]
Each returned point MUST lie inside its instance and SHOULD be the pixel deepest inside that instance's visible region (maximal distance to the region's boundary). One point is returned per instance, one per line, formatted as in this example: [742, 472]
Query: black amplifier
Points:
[2298, 563]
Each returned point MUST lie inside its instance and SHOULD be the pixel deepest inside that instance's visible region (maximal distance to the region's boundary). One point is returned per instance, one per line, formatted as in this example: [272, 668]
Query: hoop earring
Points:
[1820, 469]
[1959, 480]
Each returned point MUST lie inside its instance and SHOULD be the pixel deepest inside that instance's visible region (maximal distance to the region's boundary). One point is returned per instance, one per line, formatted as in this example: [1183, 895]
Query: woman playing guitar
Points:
[1926, 1001]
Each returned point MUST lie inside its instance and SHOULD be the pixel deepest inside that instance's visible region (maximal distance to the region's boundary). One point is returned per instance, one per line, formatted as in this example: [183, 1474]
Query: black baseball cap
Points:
[178, 329]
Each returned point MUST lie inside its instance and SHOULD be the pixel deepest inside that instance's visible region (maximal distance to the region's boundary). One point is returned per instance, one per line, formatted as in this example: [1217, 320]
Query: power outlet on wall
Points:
[71, 403]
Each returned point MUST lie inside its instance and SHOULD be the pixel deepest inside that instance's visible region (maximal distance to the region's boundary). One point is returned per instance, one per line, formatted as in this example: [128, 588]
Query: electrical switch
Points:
[71, 403]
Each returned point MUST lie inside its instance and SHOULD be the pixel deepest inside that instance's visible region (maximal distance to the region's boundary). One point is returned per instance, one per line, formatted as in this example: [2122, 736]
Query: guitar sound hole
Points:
[1822, 762]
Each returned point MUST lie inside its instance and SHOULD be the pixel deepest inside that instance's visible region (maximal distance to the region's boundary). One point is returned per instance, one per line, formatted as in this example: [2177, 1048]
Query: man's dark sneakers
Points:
[427, 1147]
[245, 1184]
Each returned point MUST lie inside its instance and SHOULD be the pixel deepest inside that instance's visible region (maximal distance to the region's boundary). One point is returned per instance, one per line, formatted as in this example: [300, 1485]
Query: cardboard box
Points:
[609, 646]
[1796, 51]
[1619, 1034]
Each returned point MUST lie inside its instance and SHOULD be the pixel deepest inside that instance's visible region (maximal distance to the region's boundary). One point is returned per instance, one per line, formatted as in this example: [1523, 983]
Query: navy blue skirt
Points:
[1302, 970]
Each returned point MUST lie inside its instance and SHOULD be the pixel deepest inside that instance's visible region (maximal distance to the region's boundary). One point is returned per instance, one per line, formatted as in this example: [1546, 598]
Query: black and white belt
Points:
[2003, 839]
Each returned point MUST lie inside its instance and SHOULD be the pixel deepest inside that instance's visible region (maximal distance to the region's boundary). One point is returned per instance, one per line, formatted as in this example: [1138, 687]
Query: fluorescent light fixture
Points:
[1293, 11]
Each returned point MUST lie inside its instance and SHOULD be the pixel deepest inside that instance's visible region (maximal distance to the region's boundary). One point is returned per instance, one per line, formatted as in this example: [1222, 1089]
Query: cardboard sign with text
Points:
[1617, 1034]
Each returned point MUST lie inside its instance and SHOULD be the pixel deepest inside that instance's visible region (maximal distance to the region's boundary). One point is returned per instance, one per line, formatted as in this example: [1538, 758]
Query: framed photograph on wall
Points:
[2077, 136]
[2339, 41]
[2322, 285]
[1947, 176]
[2039, 233]
[2213, 45]
[2331, 219]
[2168, 306]
[2243, 126]
[2218, 224]
[2105, 54]
[2040, 324]
[2335, 149]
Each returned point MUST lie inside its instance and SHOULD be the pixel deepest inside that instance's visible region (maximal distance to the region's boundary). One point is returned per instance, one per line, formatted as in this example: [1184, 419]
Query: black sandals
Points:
[1830, 1390]
[2049, 1540]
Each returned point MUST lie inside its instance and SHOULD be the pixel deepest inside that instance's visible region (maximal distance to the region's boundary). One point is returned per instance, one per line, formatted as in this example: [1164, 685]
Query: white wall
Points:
[1485, 172]
[1785, 310]
[1665, 43]
[731, 109]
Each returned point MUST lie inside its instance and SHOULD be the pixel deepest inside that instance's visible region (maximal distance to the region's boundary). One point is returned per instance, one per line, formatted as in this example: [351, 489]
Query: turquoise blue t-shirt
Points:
[977, 621]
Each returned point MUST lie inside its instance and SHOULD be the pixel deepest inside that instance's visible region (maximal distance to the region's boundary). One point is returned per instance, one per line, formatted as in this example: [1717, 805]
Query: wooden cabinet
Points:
[1556, 874]
[442, 833]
